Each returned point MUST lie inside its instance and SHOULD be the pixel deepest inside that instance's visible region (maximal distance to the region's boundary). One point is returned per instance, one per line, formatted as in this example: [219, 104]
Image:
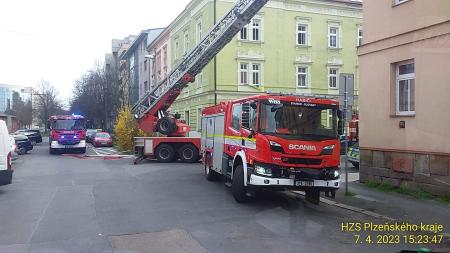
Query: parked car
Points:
[23, 144]
[12, 144]
[33, 134]
[6, 171]
[102, 139]
[353, 155]
[90, 135]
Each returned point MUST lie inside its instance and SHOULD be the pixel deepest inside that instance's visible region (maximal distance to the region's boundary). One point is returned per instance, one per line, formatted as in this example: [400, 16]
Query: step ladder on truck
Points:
[151, 109]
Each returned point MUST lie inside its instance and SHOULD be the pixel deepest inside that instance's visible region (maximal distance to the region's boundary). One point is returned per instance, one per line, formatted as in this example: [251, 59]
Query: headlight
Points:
[328, 150]
[263, 171]
[276, 147]
[336, 174]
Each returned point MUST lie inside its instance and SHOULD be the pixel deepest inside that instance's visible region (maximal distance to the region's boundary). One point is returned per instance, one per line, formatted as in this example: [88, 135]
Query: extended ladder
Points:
[158, 100]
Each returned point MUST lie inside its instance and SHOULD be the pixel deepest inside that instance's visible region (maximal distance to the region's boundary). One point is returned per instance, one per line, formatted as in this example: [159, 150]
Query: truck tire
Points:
[165, 153]
[188, 153]
[238, 187]
[313, 196]
[355, 164]
[166, 125]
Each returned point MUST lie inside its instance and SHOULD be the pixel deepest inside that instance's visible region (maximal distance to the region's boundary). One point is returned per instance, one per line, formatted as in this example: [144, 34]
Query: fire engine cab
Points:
[278, 142]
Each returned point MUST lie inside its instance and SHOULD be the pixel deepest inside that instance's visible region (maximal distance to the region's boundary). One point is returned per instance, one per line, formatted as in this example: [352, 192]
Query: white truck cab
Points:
[5, 155]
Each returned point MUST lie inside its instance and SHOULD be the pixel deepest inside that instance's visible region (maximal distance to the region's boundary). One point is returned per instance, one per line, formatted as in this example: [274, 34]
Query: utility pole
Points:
[346, 97]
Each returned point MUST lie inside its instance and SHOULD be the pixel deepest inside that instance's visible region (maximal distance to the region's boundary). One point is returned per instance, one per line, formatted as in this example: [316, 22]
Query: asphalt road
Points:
[67, 204]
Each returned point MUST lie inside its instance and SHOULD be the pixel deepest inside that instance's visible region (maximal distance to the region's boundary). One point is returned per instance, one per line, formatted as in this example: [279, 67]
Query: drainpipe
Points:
[215, 59]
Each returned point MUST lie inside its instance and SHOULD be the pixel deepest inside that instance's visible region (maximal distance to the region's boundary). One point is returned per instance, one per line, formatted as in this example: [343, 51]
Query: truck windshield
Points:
[68, 124]
[295, 120]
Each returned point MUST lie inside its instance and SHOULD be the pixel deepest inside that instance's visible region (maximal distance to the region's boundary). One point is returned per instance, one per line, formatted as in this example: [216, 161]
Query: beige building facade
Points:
[404, 98]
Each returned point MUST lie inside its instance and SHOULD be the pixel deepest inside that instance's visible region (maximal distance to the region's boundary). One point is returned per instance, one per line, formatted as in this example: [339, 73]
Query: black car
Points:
[33, 134]
[23, 144]
[90, 135]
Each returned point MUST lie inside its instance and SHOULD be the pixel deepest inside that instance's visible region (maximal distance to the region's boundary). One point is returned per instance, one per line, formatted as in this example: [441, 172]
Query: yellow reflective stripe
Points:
[231, 137]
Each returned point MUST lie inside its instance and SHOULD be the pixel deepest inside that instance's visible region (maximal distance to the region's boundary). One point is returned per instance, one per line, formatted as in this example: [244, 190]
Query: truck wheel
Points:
[166, 125]
[312, 196]
[165, 153]
[238, 188]
[356, 165]
[188, 153]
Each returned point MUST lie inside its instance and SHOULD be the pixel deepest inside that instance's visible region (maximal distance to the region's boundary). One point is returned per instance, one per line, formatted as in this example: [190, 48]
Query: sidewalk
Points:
[396, 206]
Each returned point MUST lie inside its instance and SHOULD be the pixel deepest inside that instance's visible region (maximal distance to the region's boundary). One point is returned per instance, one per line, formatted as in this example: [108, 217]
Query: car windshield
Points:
[102, 135]
[68, 124]
[295, 121]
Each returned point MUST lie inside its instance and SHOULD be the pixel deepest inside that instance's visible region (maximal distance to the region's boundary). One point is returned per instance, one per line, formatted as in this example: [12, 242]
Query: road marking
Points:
[42, 215]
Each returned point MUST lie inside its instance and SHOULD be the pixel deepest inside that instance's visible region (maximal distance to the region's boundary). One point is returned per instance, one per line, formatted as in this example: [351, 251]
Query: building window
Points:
[199, 79]
[243, 73]
[186, 117]
[302, 34]
[145, 65]
[333, 37]
[256, 29]
[333, 78]
[165, 56]
[177, 47]
[360, 36]
[405, 88]
[302, 76]
[256, 74]
[146, 88]
[186, 42]
[199, 31]
[243, 34]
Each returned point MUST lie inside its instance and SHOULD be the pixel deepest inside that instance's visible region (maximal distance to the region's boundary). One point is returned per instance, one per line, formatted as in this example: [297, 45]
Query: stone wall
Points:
[414, 171]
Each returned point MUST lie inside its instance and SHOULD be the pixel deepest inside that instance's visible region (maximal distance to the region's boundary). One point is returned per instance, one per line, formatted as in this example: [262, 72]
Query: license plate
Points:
[103, 143]
[304, 183]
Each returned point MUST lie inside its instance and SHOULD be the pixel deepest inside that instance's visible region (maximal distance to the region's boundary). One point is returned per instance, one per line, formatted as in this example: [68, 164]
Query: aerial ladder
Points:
[151, 109]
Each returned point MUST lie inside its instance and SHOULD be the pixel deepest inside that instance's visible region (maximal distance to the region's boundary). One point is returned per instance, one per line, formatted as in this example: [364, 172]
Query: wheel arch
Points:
[240, 159]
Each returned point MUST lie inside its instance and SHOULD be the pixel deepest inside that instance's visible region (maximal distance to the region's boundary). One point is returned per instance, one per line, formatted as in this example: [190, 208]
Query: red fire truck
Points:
[68, 133]
[275, 142]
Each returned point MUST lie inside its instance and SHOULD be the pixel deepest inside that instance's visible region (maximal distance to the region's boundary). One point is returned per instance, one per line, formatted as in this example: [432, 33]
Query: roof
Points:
[149, 33]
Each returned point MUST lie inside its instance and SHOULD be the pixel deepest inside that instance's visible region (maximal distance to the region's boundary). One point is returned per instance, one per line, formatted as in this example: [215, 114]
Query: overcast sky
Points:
[59, 40]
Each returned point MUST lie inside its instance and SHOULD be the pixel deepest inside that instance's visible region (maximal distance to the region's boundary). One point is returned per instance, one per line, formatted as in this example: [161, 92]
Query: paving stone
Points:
[422, 164]
[366, 158]
[439, 165]
[175, 240]
[403, 162]
[378, 159]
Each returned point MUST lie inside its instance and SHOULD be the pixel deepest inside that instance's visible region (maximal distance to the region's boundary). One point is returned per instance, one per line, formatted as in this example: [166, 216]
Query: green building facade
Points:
[295, 46]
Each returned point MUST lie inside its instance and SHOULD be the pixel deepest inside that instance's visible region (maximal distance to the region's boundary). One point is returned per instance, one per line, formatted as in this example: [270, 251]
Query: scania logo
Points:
[302, 147]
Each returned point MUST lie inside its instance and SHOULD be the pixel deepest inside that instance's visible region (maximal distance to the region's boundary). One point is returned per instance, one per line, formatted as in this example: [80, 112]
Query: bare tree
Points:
[46, 102]
[97, 96]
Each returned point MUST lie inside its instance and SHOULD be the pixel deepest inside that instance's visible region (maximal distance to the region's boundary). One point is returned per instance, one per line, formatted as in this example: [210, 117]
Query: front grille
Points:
[69, 142]
[304, 161]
